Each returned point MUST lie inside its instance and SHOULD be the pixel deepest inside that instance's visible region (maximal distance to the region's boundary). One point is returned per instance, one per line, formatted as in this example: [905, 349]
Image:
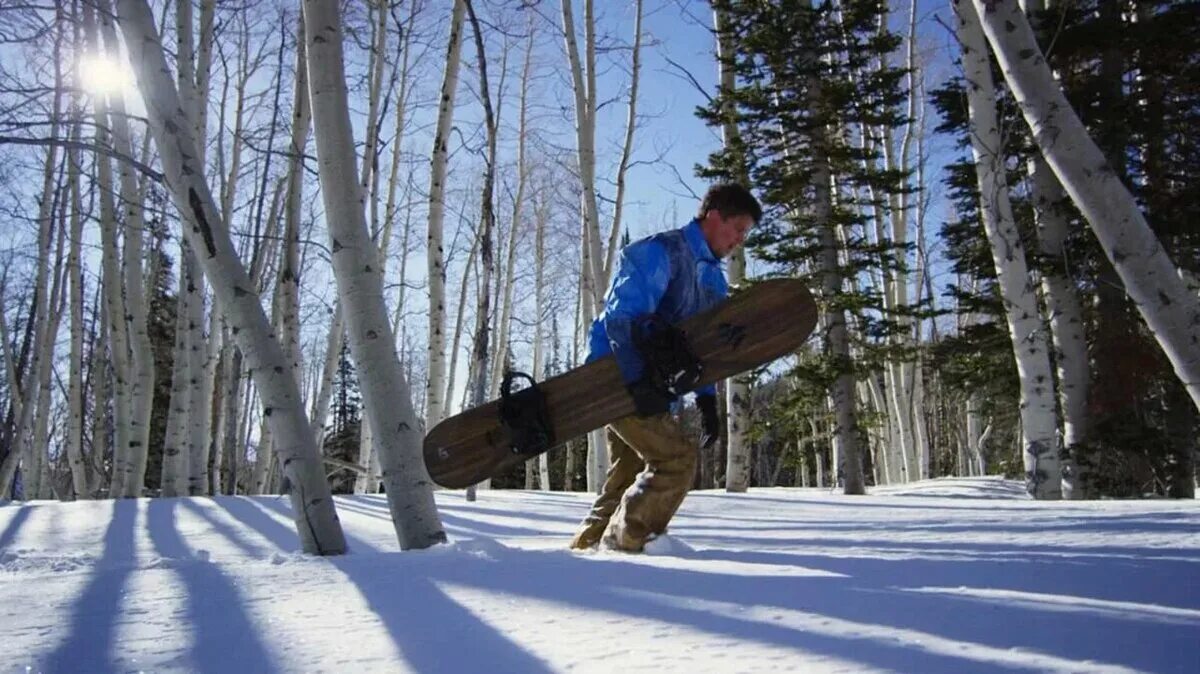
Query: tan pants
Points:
[652, 466]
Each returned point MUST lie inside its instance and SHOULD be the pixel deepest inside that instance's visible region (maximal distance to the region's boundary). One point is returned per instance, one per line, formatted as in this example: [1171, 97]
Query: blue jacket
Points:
[673, 275]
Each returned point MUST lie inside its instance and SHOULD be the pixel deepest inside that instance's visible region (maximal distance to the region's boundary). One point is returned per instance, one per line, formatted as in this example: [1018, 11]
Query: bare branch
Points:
[80, 145]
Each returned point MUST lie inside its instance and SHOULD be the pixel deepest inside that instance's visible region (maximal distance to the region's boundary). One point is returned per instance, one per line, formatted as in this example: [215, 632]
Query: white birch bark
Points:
[885, 457]
[74, 431]
[1066, 321]
[174, 474]
[288, 282]
[1043, 476]
[583, 80]
[539, 366]
[230, 444]
[900, 446]
[177, 441]
[102, 394]
[477, 382]
[24, 449]
[841, 398]
[230, 449]
[35, 468]
[356, 265]
[631, 119]
[313, 508]
[369, 187]
[514, 229]
[435, 403]
[141, 394]
[1066, 313]
[206, 350]
[1171, 310]
[458, 323]
[737, 405]
[203, 348]
[914, 401]
[118, 339]
[333, 347]
[583, 84]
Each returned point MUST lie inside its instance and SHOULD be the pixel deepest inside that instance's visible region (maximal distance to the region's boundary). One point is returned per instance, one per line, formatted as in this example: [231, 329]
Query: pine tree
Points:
[347, 399]
[812, 84]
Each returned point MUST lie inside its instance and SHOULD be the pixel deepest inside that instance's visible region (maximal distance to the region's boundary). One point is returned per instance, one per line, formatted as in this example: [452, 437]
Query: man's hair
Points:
[731, 200]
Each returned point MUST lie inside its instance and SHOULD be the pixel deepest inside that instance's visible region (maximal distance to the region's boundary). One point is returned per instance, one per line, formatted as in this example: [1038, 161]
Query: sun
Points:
[100, 75]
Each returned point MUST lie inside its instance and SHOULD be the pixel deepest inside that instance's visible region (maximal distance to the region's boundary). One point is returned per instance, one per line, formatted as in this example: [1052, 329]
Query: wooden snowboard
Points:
[751, 328]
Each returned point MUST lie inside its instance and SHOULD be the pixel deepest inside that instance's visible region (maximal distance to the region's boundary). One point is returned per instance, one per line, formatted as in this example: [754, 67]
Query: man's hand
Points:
[649, 400]
[709, 421]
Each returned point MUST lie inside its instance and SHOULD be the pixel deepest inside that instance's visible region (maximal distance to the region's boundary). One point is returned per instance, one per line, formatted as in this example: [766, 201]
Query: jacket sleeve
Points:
[639, 283]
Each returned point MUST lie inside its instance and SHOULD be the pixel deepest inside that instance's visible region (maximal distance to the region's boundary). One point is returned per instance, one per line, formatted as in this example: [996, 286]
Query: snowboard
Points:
[751, 328]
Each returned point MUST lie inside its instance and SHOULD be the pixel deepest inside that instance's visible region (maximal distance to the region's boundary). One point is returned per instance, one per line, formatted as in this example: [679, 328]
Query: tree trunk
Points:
[102, 396]
[288, 280]
[1171, 310]
[518, 204]
[74, 432]
[539, 366]
[174, 465]
[369, 187]
[141, 375]
[487, 223]
[37, 485]
[584, 87]
[737, 421]
[1043, 475]
[313, 508]
[356, 265]
[1066, 323]
[199, 416]
[435, 403]
[333, 347]
[458, 323]
[583, 79]
[841, 398]
[232, 400]
[631, 119]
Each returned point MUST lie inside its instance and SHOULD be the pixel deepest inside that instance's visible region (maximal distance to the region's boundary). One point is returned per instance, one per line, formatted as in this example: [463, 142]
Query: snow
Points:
[953, 575]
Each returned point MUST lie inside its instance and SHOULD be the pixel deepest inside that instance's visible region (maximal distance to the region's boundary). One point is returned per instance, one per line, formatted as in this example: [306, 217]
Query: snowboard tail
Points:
[752, 328]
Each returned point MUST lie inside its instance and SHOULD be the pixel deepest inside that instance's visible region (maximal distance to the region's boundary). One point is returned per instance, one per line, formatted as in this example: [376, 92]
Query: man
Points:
[661, 279]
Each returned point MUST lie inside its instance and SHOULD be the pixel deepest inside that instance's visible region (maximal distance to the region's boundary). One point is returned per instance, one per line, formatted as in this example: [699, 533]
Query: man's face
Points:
[724, 234]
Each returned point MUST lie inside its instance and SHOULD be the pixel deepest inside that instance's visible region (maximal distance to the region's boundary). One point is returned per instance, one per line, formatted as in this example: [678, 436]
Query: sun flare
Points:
[99, 75]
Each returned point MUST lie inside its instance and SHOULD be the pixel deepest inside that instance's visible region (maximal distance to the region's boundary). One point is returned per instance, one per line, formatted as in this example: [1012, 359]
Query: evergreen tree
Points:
[1131, 74]
[814, 89]
[346, 397]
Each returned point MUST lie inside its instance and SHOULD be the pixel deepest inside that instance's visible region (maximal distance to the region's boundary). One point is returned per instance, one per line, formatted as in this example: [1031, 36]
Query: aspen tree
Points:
[312, 505]
[737, 421]
[356, 266]
[435, 404]
[1039, 425]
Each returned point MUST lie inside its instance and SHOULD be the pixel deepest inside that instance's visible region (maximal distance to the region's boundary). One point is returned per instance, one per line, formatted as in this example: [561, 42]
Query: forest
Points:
[256, 248]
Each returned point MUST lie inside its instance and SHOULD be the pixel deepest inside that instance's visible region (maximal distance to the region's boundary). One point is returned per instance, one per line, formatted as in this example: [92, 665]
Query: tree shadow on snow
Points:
[89, 642]
[230, 532]
[433, 632]
[871, 593]
[14, 526]
[224, 638]
[275, 530]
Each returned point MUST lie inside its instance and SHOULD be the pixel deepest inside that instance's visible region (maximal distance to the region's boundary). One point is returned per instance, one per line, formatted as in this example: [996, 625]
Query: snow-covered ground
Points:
[943, 576]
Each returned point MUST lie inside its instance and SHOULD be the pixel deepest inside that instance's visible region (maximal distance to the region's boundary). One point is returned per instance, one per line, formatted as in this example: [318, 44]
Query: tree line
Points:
[1005, 257]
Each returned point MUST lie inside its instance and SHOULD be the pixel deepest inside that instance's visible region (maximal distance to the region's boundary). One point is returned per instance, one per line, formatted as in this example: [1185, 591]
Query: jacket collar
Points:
[695, 238]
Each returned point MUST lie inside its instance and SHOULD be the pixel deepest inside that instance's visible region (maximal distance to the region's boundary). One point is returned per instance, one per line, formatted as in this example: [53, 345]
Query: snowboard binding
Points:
[524, 414]
[671, 365]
